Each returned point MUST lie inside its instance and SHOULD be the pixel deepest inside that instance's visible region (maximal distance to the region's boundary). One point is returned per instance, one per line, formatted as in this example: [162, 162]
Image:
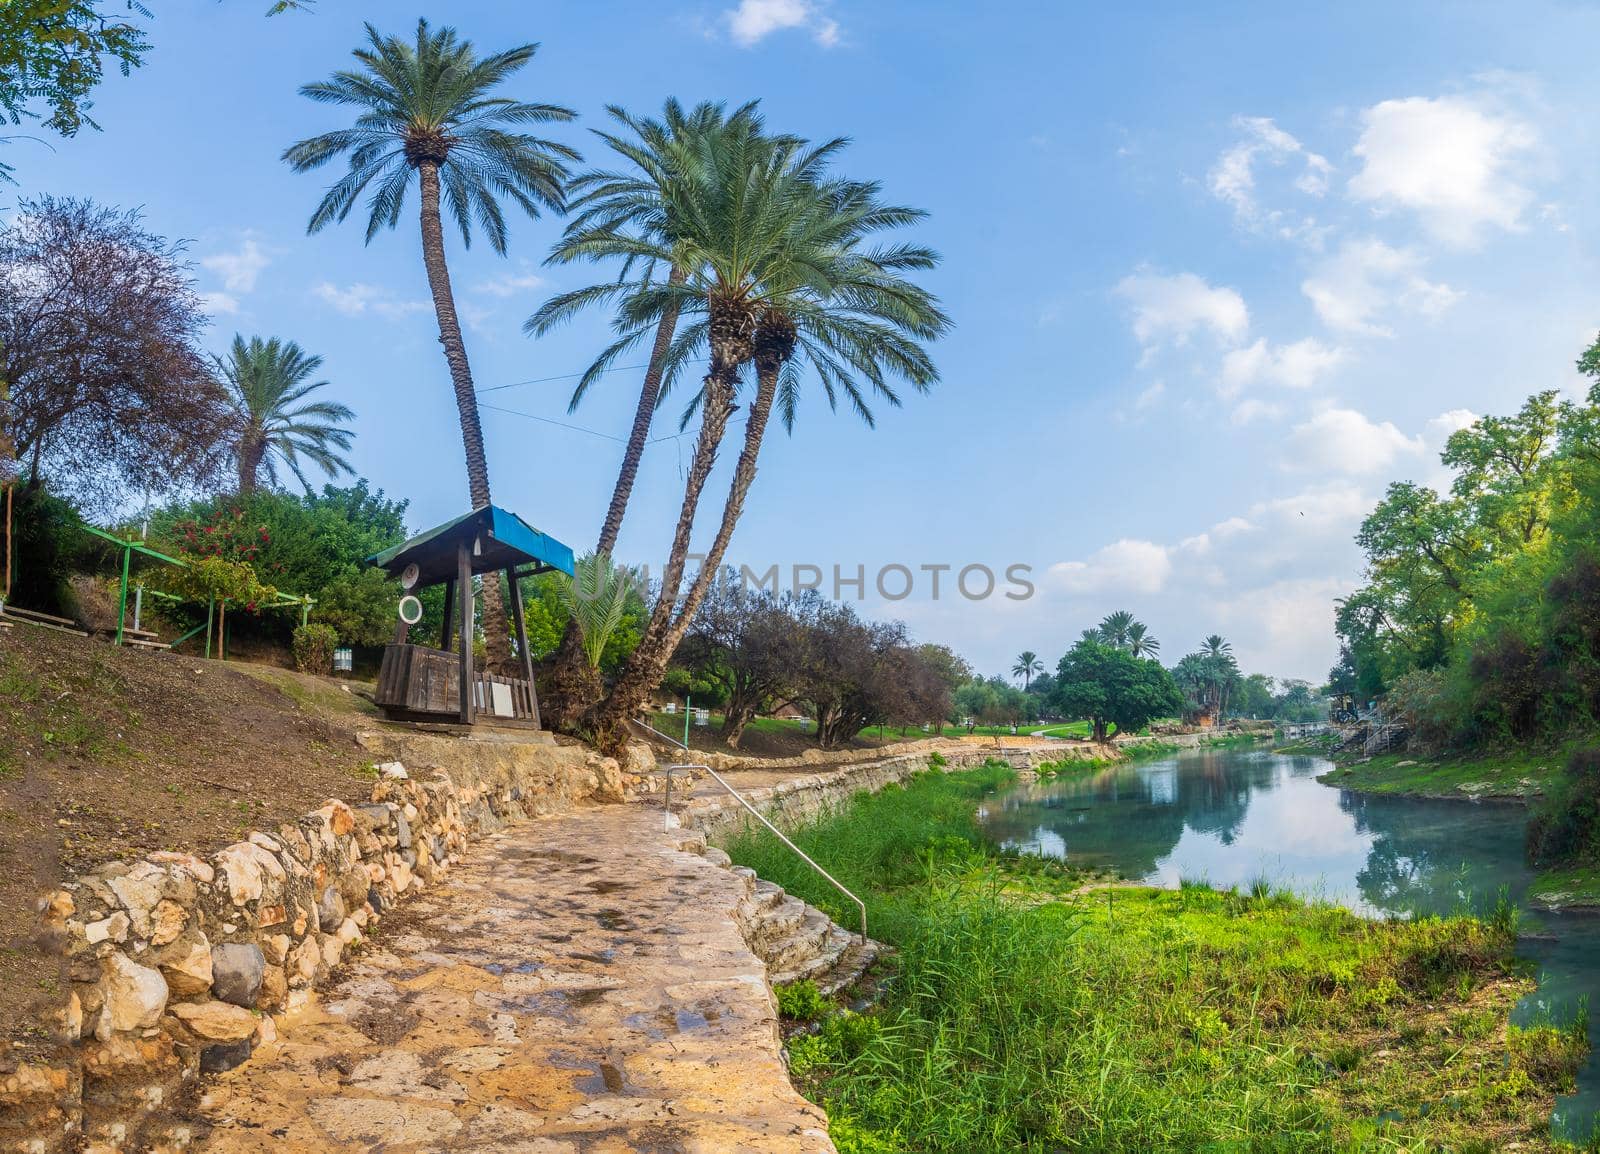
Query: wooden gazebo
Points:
[418, 683]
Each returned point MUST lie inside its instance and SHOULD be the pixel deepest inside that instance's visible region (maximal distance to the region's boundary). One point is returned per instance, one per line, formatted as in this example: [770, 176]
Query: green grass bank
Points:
[1026, 1012]
[1514, 773]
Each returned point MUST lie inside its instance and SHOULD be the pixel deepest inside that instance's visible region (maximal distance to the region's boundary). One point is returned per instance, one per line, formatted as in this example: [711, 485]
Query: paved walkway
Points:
[578, 985]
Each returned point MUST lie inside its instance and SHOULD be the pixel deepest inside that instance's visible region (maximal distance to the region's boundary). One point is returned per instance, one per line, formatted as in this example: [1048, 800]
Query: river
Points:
[1230, 817]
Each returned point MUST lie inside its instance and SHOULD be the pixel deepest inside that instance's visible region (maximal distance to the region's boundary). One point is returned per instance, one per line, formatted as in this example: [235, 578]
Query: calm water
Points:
[1229, 817]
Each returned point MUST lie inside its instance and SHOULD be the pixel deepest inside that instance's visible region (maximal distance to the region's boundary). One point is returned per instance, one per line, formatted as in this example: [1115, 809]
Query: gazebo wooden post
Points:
[522, 642]
[464, 596]
[448, 629]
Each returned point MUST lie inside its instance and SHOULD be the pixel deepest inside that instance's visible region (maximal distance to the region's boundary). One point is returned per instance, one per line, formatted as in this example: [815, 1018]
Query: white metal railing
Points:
[758, 815]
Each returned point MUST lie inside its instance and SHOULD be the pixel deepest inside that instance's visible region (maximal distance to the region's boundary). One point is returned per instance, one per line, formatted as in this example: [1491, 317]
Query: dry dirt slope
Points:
[106, 752]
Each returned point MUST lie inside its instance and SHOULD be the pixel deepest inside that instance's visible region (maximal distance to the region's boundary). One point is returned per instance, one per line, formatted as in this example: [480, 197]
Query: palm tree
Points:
[1215, 646]
[1028, 667]
[1114, 629]
[426, 110]
[782, 277]
[611, 212]
[1140, 643]
[266, 382]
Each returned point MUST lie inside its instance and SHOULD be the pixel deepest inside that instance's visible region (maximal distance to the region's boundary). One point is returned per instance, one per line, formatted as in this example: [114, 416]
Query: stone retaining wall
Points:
[174, 964]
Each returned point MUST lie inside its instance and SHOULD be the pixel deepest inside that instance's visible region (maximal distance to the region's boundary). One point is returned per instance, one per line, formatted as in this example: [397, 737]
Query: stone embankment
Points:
[174, 964]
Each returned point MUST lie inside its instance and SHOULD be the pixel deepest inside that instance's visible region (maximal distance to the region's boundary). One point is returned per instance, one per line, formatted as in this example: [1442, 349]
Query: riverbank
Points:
[1516, 774]
[1025, 1017]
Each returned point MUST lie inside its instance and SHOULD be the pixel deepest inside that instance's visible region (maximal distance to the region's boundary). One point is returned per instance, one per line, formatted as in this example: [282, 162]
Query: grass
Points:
[1571, 887]
[1520, 773]
[1029, 1015]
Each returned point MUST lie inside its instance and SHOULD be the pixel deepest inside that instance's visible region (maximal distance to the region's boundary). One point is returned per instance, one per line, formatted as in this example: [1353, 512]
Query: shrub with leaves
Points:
[217, 578]
[313, 648]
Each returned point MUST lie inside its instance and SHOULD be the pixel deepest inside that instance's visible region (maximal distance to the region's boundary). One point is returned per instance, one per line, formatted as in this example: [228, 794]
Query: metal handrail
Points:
[759, 816]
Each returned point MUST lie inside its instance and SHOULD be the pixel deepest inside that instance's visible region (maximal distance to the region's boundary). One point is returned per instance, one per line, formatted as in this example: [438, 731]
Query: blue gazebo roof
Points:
[497, 539]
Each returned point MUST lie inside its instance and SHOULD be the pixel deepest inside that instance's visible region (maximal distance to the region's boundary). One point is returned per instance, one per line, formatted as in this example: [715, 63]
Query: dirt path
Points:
[579, 985]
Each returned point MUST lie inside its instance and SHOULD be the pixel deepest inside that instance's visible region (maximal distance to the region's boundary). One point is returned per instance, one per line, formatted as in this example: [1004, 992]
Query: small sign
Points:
[343, 660]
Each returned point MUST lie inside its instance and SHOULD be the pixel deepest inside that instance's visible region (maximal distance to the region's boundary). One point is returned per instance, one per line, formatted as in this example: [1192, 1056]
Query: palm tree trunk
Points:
[564, 714]
[649, 661]
[496, 629]
[642, 671]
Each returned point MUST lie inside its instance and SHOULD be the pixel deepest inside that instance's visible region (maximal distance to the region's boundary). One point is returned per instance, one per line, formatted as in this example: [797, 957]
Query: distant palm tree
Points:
[1028, 667]
[1140, 643]
[1215, 646]
[1114, 629]
[426, 110]
[266, 382]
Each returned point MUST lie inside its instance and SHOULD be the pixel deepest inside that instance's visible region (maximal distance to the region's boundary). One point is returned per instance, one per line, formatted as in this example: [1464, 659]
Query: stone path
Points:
[579, 985]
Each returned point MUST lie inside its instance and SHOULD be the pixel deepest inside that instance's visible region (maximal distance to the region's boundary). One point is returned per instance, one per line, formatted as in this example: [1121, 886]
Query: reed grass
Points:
[1024, 1015]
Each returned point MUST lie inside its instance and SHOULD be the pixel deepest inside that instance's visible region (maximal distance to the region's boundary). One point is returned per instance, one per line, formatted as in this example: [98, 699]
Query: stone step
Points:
[850, 966]
[771, 930]
[823, 958]
[808, 940]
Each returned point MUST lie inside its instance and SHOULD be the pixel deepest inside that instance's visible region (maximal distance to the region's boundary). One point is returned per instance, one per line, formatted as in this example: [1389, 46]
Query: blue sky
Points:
[1218, 274]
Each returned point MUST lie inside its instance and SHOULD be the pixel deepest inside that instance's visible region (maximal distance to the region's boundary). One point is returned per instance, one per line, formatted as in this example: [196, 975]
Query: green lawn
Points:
[1515, 773]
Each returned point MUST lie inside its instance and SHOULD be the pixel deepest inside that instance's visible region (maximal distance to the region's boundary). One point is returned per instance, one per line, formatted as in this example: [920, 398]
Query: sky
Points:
[1218, 275]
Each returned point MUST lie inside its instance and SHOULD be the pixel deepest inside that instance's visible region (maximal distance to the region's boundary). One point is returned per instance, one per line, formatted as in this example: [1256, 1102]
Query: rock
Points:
[241, 867]
[339, 818]
[266, 1030]
[135, 996]
[275, 948]
[330, 910]
[403, 831]
[216, 1021]
[348, 932]
[216, 1059]
[139, 890]
[189, 972]
[188, 862]
[332, 950]
[393, 770]
[274, 989]
[111, 929]
[303, 962]
[274, 915]
[167, 921]
[236, 973]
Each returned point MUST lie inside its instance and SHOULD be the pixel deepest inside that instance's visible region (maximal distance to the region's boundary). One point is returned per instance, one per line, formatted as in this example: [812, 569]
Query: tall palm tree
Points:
[266, 382]
[1215, 646]
[1028, 667]
[610, 213]
[1140, 643]
[1114, 629]
[426, 110]
[784, 276]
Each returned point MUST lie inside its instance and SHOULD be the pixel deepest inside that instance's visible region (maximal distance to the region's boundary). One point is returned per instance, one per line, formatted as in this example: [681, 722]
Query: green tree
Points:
[1109, 686]
[1140, 643]
[1027, 667]
[427, 112]
[267, 381]
[1116, 627]
[788, 275]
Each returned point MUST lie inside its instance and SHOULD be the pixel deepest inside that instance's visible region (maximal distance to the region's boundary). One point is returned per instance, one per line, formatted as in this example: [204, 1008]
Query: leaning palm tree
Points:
[426, 111]
[267, 381]
[784, 276]
[1140, 643]
[1114, 629]
[1028, 667]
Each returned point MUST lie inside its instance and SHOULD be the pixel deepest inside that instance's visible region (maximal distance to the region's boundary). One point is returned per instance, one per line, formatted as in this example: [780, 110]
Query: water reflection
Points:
[1231, 817]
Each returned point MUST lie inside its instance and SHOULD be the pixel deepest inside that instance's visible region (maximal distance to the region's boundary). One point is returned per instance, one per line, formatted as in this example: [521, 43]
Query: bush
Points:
[313, 648]
[46, 540]
[801, 1001]
[1566, 827]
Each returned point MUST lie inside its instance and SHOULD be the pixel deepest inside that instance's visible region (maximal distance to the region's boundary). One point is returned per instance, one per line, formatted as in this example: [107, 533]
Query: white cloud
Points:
[1320, 509]
[1125, 565]
[1294, 366]
[1450, 421]
[1150, 396]
[357, 299]
[754, 20]
[1366, 281]
[509, 284]
[217, 303]
[1173, 307]
[240, 268]
[1450, 160]
[1346, 441]
[1253, 409]
[1233, 526]
[1285, 626]
[1233, 178]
